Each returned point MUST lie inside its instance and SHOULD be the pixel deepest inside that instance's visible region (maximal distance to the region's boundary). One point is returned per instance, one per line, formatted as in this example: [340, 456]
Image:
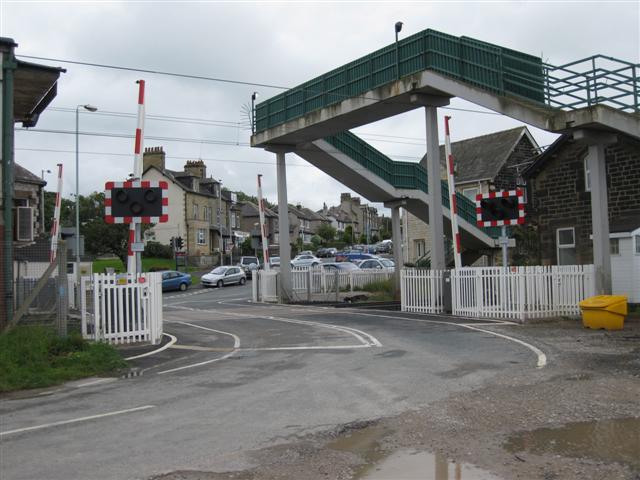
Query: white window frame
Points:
[587, 175]
[614, 246]
[464, 190]
[565, 246]
[201, 236]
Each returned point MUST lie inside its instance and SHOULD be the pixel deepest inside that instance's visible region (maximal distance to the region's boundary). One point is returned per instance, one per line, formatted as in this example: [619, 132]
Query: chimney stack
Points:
[153, 156]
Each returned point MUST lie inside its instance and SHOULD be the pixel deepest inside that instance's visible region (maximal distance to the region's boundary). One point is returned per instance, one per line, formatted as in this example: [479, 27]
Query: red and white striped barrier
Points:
[110, 186]
[453, 201]
[134, 228]
[55, 226]
[504, 194]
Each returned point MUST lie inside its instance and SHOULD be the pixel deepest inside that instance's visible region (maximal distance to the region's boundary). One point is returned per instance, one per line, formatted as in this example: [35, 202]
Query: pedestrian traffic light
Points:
[136, 202]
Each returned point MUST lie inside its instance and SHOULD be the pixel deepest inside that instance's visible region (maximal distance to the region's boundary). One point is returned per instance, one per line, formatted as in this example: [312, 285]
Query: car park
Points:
[249, 265]
[305, 261]
[174, 280]
[378, 264]
[329, 252]
[221, 276]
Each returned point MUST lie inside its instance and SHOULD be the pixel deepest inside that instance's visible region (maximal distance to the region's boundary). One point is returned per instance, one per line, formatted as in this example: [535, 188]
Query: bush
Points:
[157, 250]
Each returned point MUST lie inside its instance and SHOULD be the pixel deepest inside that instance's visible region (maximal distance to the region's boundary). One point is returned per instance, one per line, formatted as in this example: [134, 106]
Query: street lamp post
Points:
[89, 108]
[42, 227]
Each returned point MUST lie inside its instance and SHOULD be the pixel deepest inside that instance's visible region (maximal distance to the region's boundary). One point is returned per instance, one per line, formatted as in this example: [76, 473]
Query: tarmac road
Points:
[241, 377]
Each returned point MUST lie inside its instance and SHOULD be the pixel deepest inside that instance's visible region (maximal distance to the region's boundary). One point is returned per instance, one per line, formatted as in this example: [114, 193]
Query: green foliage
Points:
[246, 248]
[347, 236]
[326, 232]
[527, 249]
[158, 250]
[375, 239]
[316, 241]
[363, 239]
[34, 357]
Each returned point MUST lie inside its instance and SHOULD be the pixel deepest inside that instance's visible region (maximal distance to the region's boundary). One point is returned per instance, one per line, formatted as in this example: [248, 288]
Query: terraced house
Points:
[198, 211]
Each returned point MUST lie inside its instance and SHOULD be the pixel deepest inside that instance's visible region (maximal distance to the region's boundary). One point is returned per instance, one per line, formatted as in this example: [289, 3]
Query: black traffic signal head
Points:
[136, 202]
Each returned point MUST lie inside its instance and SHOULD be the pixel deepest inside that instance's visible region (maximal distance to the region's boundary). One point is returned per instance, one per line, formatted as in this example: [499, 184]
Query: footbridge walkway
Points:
[594, 98]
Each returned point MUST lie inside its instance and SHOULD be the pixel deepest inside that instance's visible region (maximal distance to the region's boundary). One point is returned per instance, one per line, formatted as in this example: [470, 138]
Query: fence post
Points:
[62, 293]
[337, 283]
[309, 284]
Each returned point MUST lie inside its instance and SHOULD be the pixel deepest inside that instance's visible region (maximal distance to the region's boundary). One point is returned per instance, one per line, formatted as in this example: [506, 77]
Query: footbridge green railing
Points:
[505, 72]
[404, 175]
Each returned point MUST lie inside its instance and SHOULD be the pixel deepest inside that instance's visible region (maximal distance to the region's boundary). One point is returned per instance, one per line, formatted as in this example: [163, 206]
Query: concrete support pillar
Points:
[283, 227]
[435, 190]
[597, 142]
[600, 219]
[397, 244]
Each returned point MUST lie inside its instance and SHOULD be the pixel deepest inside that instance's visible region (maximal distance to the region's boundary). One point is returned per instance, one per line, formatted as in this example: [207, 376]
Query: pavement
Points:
[232, 377]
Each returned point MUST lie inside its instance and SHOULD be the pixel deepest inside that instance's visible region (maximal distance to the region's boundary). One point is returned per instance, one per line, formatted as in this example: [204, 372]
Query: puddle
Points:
[608, 441]
[404, 464]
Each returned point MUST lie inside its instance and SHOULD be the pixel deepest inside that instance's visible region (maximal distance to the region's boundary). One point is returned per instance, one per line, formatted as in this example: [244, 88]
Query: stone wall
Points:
[558, 198]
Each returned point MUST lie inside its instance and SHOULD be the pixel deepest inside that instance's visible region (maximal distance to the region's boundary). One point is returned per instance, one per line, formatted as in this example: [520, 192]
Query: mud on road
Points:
[577, 418]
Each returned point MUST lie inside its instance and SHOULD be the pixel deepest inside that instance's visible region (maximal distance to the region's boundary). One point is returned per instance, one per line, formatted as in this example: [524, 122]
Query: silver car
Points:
[378, 264]
[221, 276]
[305, 261]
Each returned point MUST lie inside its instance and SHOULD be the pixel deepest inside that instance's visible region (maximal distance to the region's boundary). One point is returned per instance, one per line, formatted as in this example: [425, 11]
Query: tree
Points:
[326, 232]
[347, 236]
[363, 239]
[316, 241]
[374, 238]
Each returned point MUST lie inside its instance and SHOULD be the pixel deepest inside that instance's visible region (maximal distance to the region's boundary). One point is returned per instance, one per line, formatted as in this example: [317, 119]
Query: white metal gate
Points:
[122, 308]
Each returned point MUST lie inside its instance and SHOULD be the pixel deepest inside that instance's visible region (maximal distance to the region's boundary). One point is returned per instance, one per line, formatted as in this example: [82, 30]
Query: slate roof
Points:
[481, 158]
[625, 223]
[250, 209]
[183, 179]
[21, 174]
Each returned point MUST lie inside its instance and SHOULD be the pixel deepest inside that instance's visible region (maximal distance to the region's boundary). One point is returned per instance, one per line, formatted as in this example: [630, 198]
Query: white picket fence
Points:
[421, 290]
[495, 292]
[122, 308]
[307, 282]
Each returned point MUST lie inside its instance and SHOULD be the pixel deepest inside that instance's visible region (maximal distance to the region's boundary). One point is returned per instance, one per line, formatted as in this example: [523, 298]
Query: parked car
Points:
[274, 261]
[378, 264]
[305, 261]
[306, 252]
[173, 280]
[326, 252]
[249, 265]
[340, 266]
[352, 255]
[222, 276]
[384, 247]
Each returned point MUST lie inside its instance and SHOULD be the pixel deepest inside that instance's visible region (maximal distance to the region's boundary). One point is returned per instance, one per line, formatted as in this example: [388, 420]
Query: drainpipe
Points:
[8, 66]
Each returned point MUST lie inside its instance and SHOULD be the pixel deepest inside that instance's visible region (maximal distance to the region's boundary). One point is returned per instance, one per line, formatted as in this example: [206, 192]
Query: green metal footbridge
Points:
[313, 119]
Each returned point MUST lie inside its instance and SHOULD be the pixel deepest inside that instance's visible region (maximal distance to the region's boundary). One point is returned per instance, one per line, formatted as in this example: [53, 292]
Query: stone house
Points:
[250, 222]
[197, 211]
[559, 207]
[316, 219]
[482, 164]
[27, 213]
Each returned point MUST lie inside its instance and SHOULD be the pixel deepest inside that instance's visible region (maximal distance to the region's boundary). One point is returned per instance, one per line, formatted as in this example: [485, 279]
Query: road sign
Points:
[136, 202]
[137, 247]
[497, 209]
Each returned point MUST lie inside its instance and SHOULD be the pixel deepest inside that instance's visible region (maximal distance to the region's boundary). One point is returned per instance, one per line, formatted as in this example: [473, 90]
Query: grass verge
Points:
[35, 357]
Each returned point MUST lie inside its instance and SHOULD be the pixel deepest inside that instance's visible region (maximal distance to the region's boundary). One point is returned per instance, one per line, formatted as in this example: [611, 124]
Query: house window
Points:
[566, 241]
[420, 247]
[470, 193]
[614, 246]
[637, 239]
[195, 211]
[587, 175]
[207, 214]
[202, 236]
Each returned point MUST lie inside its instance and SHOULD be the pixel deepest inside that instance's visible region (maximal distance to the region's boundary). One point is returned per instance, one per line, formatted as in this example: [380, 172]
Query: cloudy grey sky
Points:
[275, 43]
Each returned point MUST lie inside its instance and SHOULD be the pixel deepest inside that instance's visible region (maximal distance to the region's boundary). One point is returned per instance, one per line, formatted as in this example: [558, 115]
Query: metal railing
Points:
[596, 80]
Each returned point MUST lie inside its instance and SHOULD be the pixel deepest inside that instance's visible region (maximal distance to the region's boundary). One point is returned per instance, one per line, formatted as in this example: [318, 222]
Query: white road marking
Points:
[164, 347]
[542, 358]
[76, 420]
[95, 382]
[236, 345]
